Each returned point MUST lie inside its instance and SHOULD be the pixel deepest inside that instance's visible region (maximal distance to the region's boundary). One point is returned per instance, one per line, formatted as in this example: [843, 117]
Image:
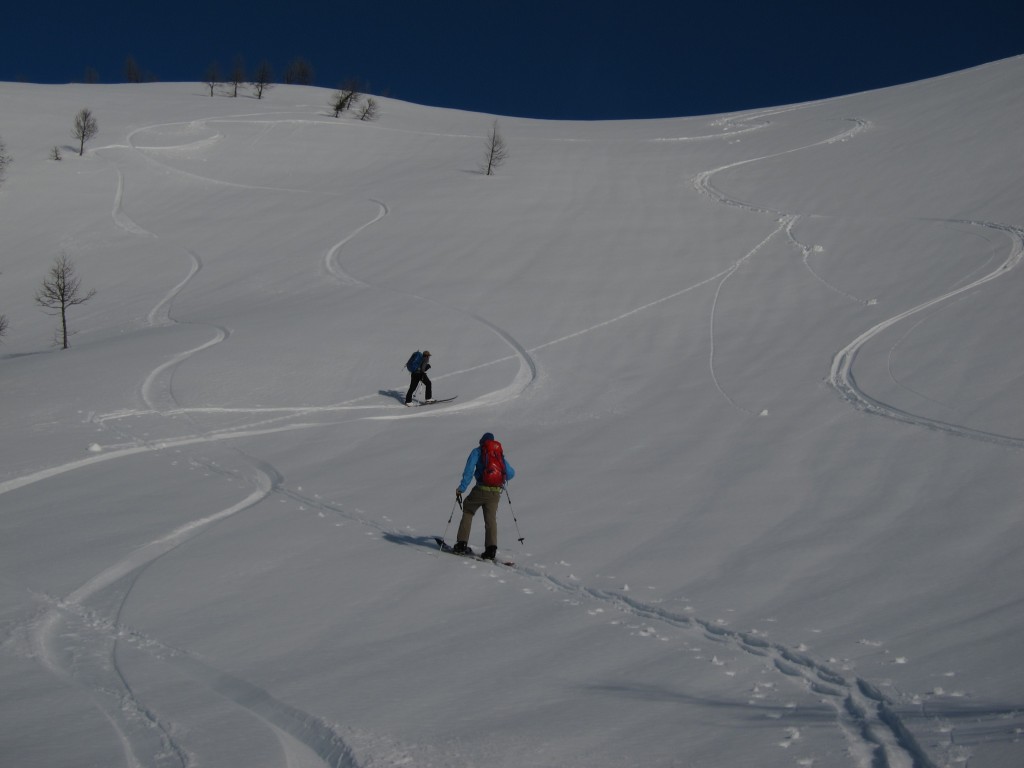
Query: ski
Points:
[435, 402]
[444, 546]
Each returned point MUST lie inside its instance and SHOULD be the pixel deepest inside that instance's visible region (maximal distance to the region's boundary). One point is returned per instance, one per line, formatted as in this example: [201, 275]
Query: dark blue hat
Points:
[487, 436]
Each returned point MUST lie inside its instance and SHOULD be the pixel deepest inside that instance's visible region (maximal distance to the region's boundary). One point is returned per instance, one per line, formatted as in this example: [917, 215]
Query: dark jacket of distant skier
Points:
[488, 466]
[418, 366]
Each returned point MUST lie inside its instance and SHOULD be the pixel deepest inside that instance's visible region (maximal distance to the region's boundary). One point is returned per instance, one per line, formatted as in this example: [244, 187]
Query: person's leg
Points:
[490, 506]
[465, 526]
[413, 383]
[426, 381]
[470, 505]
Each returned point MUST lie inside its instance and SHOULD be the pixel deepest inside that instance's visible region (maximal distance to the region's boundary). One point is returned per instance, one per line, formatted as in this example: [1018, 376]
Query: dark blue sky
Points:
[560, 59]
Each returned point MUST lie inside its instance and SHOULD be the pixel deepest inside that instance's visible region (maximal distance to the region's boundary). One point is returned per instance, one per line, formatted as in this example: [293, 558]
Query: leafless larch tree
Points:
[237, 75]
[496, 152]
[85, 128]
[61, 290]
[369, 110]
[5, 160]
[261, 81]
[212, 76]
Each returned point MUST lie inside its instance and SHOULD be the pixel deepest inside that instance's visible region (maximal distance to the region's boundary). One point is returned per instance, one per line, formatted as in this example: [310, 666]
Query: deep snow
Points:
[759, 375]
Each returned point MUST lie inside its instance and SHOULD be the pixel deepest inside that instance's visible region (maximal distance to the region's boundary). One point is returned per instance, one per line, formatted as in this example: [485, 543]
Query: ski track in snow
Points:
[807, 251]
[867, 719]
[783, 225]
[841, 376]
[842, 379]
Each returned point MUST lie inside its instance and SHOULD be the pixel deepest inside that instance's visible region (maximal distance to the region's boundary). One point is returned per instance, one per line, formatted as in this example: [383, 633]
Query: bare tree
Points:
[132, 73]
[369, 110]
[237, 75]
[346, 98]
[496, 152]
[5, 160]
[299, 72]
[90, 76]
[85, 128]
[261, 81]
[338, 103]
[55, 153]
[212, 76]
[3, 326]
[62, 289]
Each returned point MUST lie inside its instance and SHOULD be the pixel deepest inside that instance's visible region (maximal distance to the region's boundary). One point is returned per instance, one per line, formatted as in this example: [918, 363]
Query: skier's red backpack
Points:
[492, 464]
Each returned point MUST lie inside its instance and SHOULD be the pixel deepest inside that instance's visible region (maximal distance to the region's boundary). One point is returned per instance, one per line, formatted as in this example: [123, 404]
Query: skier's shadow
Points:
[426, 542]
[399, 396]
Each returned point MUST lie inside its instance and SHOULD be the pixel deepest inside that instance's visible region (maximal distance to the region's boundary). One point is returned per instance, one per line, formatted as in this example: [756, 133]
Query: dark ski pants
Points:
[419, 376]
[488, 499]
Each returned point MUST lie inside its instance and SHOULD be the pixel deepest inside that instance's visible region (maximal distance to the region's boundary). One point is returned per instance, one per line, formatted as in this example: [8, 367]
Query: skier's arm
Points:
[509, 471]
[470, 470]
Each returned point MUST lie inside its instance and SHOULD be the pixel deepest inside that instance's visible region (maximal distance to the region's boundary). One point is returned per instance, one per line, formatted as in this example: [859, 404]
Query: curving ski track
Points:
[841, 373]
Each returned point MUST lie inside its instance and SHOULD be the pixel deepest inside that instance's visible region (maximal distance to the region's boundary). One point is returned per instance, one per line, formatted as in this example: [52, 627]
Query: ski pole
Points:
[507, 496]
[452, 515]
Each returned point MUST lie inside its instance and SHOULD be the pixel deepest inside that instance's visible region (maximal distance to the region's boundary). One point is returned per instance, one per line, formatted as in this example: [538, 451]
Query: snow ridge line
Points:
[841, 376]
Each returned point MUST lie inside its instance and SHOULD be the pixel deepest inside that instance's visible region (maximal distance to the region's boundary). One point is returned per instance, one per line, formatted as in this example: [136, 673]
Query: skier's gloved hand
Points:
[458, 496]
[426, 367]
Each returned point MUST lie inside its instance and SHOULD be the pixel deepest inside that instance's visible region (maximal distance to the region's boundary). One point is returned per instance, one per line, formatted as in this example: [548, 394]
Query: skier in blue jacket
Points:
[488, 466]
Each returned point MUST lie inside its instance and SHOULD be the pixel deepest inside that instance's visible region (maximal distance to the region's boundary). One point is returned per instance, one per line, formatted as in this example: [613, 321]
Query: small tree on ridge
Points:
[237, 75]
[299, 72]
[261, 81]
[212, 76]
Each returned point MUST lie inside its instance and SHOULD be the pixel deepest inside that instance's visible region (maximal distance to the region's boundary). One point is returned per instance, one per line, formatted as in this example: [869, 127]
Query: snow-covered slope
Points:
[759, 376]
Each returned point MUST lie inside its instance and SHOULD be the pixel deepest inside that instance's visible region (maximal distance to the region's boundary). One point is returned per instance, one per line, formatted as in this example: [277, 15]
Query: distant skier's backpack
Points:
[492, 463]
[413, 364]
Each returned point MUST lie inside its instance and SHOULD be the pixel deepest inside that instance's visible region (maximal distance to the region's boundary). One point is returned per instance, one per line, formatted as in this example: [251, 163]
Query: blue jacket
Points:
[473, 470]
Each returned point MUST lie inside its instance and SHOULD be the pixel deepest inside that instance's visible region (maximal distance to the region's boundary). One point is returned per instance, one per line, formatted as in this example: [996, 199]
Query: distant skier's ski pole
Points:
[507, 496]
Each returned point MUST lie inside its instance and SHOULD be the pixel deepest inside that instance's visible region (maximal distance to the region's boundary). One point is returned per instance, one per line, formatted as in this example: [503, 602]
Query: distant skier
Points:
[487, 464]
[418, 365]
